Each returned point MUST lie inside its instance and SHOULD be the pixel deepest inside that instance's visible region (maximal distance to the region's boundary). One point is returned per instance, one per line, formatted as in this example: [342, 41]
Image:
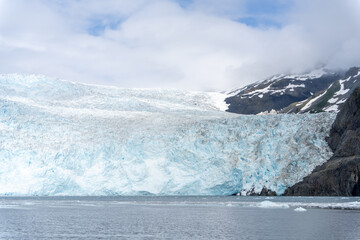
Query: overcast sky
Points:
[190, 44]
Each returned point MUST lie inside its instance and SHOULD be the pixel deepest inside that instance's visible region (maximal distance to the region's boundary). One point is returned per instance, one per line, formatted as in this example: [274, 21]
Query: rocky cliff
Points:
[330, 99]
[279, 92]
[340, 176]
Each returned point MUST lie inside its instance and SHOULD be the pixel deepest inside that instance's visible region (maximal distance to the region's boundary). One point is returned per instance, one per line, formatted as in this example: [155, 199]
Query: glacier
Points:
[61, 138]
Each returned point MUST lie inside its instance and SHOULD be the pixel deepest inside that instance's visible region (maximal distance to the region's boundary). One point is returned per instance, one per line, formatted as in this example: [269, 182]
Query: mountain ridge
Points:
[317, 91]
[331, 98]
[278, 92]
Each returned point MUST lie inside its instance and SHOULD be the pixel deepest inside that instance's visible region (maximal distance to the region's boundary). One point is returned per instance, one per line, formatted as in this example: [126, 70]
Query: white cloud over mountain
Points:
[199, 45]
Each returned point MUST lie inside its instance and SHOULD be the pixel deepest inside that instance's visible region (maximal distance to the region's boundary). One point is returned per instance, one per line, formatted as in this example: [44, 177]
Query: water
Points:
[179, 218]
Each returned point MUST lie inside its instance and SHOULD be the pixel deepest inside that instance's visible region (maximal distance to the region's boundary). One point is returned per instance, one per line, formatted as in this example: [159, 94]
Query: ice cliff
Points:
[64, 138]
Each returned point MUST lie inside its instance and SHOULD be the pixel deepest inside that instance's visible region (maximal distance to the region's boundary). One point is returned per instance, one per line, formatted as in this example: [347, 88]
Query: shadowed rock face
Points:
[337, 177]
[340, 176]
[344, 139]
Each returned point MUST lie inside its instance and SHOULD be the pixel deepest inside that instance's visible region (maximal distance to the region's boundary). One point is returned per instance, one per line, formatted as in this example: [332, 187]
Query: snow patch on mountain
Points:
[342, 90]
[218, 100]
[308, 105]
[317, 73]
[279, 92]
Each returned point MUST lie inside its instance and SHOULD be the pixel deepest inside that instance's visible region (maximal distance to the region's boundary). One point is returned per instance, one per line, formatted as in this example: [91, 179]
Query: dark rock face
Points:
[344, 137]
[337, 177]
[256, 105]
[264, 192]
[277, 93]
[352, 72]
[296, 93]
[267, 192]
[340, 176]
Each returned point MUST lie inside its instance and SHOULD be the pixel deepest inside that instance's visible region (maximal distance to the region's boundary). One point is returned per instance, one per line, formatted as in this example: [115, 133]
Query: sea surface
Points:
[196, 217]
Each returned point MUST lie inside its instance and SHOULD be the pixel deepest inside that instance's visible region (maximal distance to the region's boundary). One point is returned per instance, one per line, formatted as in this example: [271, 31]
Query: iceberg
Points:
[300, 209]
[270, 204]
[60, 138]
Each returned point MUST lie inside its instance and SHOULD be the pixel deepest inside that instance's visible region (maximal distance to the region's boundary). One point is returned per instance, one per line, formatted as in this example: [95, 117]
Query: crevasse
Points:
[64, 138]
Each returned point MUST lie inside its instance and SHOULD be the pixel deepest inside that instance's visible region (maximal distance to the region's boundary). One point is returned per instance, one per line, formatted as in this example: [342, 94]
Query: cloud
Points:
[331, 29]
[226, 8]
[199, 45]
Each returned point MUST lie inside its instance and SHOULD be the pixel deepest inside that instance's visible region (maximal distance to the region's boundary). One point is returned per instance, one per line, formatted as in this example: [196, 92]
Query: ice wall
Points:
[63, 138]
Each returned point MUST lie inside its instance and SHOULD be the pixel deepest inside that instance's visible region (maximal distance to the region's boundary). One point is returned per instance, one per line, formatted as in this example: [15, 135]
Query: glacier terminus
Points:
[71, 139]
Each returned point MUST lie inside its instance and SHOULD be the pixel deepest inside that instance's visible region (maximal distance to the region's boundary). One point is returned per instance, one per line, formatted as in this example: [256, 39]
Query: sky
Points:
[205, 45]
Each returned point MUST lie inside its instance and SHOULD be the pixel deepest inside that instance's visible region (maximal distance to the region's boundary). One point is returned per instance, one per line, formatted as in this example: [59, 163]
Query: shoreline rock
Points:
[337, 177]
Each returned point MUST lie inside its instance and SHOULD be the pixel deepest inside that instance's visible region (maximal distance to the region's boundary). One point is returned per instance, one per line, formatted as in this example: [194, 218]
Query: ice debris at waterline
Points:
[269, 204]
[300, 209]
[64, 138]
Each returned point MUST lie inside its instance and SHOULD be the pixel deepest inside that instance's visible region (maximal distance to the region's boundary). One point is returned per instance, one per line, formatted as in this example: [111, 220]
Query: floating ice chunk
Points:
[270, 204]
[344, 205]
[300, 209]
[302, 206]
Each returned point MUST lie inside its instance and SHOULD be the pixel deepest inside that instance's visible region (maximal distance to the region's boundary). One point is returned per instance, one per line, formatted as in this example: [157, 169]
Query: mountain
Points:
[331, 98]
[340, 176]
[279, 92]
[64, 138]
